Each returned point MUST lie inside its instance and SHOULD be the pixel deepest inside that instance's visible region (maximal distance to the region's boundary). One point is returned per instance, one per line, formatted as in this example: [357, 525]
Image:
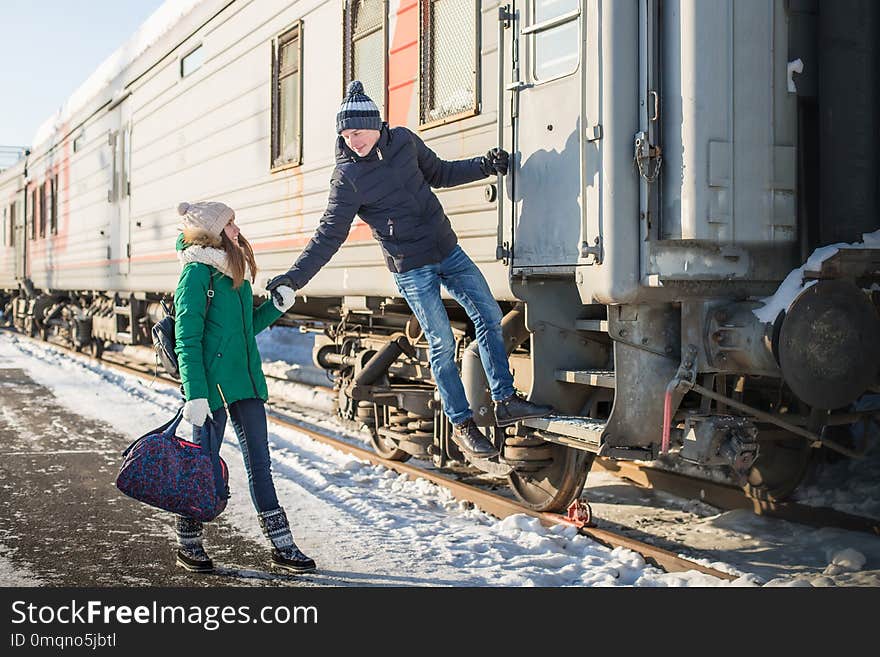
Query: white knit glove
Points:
[195, 411]
[283, 297]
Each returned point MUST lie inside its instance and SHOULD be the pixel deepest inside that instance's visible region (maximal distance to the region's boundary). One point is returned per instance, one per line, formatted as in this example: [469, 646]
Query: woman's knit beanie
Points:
[210, 216]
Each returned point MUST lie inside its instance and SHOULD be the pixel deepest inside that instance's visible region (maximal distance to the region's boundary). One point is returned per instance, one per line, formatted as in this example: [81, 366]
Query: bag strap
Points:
[169, 309]
[166, 429]
[210, 293]
[209, 443]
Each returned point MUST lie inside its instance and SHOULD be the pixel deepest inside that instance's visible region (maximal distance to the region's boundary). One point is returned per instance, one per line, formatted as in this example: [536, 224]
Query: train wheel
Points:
[779, 469]
[96, 348]
[387, 448]
[555, 485]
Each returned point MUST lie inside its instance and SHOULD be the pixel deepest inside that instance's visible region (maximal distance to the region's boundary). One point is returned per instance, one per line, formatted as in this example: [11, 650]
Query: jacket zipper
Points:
[391, 228]
[246, 350]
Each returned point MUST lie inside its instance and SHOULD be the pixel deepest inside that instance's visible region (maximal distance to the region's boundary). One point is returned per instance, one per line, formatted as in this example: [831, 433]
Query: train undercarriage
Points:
[701, 381]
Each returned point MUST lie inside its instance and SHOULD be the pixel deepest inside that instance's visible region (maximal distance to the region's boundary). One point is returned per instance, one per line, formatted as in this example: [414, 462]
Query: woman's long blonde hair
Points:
[239, 255]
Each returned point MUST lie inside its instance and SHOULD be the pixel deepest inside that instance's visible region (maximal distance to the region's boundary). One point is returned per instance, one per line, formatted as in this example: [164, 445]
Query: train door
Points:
[19, 236]
[545, 105]
[118, 194]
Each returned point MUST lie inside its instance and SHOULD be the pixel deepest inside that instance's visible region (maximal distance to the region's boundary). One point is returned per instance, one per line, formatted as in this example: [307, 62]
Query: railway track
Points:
[729, 497]
[490, 502]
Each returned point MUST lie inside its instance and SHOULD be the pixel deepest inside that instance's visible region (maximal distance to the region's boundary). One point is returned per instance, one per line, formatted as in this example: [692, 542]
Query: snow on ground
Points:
[367, 525]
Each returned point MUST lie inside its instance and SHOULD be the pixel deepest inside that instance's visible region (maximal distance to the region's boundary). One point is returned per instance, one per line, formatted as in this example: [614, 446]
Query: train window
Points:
[192, 61]
[5, 213]
[287, 86]
[33, 214]
[555, 31]
[78, 142]
[11, 237]
[450, 63]
[53, 216]
[43, 209]
[366, 47]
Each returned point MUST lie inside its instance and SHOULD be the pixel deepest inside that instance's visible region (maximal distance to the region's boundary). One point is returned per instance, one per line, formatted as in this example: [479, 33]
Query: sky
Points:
[56, 45]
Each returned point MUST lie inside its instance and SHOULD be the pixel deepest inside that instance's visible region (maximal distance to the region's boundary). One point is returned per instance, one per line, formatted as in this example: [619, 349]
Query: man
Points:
[385, 176]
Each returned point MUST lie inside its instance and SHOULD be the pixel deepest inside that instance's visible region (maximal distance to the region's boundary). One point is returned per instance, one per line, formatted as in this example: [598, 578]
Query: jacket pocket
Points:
[215, 356]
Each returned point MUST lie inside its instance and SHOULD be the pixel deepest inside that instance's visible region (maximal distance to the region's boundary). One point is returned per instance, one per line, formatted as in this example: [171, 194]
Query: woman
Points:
[220, 366]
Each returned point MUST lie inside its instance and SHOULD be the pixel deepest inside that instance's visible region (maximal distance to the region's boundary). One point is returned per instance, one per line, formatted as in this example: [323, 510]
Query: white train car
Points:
[666, 175]
[12, 212]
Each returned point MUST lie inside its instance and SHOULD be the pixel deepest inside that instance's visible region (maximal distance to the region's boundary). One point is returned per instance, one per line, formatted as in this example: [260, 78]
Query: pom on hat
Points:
[183, 208]
[354, 87]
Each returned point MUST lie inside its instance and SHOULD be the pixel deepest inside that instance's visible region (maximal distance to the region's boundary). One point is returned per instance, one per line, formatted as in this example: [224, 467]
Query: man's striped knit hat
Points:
[357, 110]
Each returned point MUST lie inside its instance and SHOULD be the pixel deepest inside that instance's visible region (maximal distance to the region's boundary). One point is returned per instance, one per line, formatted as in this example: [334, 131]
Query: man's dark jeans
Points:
[466, 284]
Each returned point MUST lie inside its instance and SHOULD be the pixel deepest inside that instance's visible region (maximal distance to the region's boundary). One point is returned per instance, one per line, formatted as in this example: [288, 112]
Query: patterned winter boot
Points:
[285, 553]
[190, 553]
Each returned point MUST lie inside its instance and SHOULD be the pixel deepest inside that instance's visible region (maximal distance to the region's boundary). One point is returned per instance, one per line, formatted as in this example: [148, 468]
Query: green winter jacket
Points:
[220, 349]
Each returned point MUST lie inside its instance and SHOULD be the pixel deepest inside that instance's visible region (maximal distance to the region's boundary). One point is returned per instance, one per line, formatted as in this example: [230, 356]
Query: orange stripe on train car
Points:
[403, 63]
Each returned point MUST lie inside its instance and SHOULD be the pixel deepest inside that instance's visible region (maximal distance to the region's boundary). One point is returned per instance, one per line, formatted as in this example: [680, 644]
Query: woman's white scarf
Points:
[209, 255]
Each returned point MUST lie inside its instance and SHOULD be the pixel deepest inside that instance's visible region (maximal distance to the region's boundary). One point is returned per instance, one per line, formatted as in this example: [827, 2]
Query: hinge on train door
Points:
[648, 158]
[505, 16]
[595, 250]
[502, 252]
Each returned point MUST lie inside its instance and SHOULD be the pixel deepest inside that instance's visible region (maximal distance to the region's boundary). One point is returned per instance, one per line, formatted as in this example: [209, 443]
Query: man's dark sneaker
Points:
[293, 559]
[194, 559]
[515, 408]
[471, 441]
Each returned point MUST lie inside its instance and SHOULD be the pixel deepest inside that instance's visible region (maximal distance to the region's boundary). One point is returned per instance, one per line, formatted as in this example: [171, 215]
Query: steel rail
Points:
[728, 497]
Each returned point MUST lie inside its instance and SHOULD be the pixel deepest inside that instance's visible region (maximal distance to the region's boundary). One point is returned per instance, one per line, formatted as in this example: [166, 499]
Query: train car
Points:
[12, 209]
[673, 162]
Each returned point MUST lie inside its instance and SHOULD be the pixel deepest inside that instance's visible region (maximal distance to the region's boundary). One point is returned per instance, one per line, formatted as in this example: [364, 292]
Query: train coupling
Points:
[720, 440]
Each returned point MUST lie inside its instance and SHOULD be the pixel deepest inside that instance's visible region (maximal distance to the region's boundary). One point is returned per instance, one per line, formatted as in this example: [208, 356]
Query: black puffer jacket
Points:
[390, 189]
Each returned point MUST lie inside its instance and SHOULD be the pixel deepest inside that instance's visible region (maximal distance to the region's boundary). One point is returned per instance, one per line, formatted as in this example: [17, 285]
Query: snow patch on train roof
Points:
[157, 25]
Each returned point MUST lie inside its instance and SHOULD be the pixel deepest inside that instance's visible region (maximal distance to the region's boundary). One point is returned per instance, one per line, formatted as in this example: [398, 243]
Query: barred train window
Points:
[43, 208]
[556, 49]
[449, 59]
[366, 47]
[287, 87]
[53, 216]
[33, 214]
[11, 237]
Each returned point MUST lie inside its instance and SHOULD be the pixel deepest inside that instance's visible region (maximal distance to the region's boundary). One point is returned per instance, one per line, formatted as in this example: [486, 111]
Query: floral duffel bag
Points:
[176, 475]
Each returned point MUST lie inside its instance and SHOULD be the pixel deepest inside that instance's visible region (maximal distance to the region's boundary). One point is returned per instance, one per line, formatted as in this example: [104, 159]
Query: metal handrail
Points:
[551, 23]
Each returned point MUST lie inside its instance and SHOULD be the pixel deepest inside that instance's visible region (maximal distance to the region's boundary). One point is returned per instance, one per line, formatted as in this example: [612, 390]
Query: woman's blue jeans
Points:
[249, 422]
[466, 284]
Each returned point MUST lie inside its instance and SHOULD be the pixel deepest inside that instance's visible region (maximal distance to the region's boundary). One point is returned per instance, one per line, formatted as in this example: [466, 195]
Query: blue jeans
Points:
[249, 422]
[465, 283]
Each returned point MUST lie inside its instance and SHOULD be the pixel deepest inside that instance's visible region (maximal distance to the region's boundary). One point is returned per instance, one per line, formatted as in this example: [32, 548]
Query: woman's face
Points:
[232, 231]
